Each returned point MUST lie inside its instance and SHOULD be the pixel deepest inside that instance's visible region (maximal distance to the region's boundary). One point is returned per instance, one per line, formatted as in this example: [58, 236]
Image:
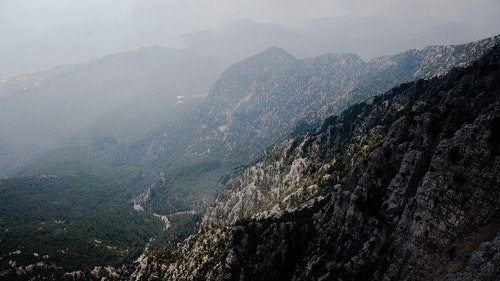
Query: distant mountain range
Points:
[368, 37]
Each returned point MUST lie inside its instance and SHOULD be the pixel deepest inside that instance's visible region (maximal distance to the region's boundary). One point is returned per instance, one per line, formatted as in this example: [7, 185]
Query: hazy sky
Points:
[192, 15]
[115, 25]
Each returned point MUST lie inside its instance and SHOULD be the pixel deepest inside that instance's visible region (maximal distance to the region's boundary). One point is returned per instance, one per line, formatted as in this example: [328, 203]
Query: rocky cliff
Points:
[265, 99]
[403, 186]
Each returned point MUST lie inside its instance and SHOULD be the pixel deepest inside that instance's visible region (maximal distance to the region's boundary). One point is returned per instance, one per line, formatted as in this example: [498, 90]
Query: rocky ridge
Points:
[260, 100]
[265, 99]
[403, 186]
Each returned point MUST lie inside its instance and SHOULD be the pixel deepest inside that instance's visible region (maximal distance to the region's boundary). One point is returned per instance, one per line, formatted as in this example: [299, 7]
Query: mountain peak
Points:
[277, 53]
[272, 60]
[271, 56]
[361, 197]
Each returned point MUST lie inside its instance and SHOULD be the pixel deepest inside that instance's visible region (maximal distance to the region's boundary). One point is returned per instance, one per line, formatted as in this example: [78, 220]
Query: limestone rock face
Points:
[268, 98]
[404, 186]
[424, 205]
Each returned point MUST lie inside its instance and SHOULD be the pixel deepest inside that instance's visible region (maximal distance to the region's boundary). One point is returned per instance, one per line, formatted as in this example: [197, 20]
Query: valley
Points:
[102, 160]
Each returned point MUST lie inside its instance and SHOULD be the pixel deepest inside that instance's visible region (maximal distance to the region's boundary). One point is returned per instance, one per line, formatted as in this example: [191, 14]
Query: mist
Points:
[41, 34]
[115, 68]
[123, 121]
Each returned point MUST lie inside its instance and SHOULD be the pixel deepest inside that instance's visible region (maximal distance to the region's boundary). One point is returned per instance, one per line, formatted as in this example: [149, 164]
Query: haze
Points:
[45, 33]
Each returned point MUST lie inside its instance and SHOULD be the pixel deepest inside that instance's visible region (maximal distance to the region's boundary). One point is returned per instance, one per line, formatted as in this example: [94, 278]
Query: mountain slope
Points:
[258, 101]
[404, 186]
[122, 97]
[74, 146]
[269, 97]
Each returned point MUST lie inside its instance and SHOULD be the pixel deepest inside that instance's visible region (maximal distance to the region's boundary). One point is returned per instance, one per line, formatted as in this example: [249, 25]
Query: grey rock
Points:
[407, 188]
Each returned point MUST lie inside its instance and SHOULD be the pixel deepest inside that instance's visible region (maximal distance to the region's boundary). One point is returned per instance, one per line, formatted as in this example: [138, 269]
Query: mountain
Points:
[371, 37]
[402, 186]
[245, 38]
[74, 153]
[368, 37]
[270, 97]
[263, 98]
[89, 189]
[121, 98]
